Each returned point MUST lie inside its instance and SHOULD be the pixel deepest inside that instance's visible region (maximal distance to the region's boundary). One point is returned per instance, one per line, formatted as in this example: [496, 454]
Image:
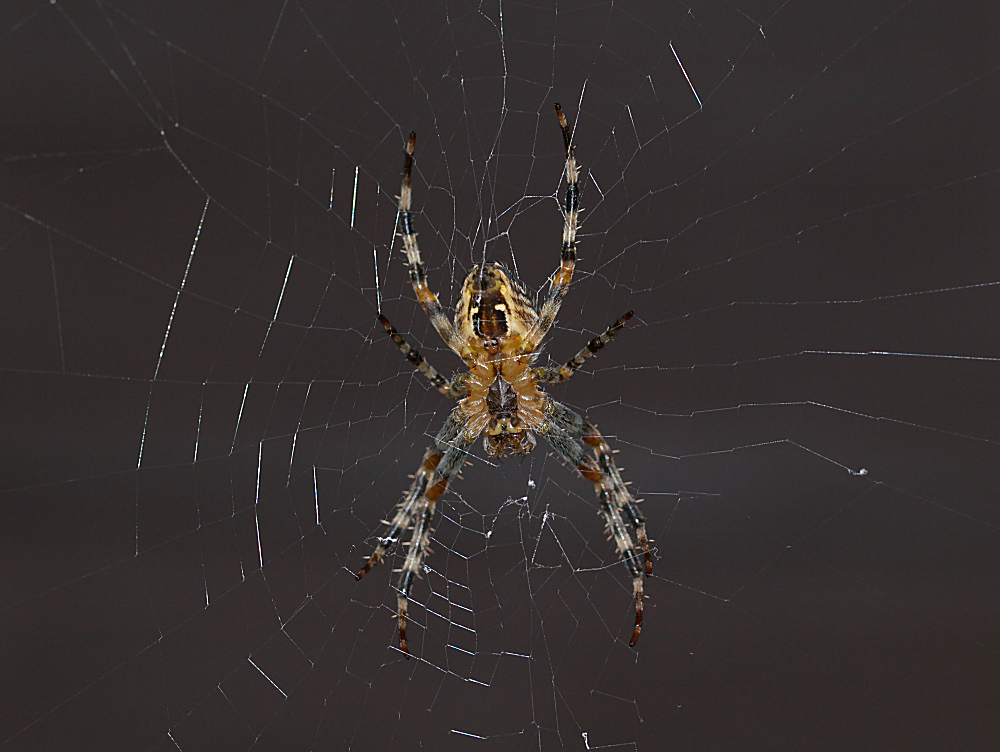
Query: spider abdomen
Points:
[493, 310]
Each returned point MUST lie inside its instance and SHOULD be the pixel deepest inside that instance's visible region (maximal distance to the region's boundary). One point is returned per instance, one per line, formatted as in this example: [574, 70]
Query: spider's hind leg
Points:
[563, 275]
[418, 272]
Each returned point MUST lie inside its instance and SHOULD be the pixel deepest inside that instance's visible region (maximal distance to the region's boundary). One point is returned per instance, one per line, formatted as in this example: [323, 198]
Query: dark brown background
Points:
[834, 200]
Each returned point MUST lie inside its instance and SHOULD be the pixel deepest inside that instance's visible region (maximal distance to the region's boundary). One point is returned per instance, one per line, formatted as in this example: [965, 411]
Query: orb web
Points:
[204, 422]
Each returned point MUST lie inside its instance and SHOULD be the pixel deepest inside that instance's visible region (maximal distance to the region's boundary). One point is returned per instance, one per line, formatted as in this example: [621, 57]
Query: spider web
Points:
[203, 423]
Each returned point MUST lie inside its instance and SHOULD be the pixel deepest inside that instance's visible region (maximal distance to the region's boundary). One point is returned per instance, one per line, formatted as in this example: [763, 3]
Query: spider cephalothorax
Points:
[497, 332]
[506, 433]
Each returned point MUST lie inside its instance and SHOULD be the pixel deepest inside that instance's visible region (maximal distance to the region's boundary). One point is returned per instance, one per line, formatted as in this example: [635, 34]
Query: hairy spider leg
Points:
[448, 467]
[618, 490]
[453, 388]
[563, 426]
[441, 463]
[559, 283]
[418, 273]
[404, 511]
[548, 375]
[414, 559]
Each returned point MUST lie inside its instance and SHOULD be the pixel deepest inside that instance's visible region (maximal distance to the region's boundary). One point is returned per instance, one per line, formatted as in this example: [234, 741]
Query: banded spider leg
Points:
[441, 463]
[567, 433]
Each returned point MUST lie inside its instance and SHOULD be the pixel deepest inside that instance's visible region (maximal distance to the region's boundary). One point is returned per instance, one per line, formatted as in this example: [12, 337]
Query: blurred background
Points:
[202, 423]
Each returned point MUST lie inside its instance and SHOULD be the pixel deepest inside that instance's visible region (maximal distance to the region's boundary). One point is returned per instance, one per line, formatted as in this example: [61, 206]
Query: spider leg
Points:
[559, 284]
[619, 491]
[418, 273]
[411, 565]
[564, 425]
[404, 511]
[554, 375]
[449, 465]
[441, 463]
[453, 388]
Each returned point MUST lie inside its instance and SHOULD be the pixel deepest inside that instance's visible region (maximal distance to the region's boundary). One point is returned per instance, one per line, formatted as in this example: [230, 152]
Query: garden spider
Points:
[498, 333]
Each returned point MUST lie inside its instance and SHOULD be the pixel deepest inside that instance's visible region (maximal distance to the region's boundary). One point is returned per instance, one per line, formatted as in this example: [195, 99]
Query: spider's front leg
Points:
[564, 426]
[611, 482]
[404, 511]
[441, 463]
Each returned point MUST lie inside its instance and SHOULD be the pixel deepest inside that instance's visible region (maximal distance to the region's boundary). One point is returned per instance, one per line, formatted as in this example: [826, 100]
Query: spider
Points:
[497, 333]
